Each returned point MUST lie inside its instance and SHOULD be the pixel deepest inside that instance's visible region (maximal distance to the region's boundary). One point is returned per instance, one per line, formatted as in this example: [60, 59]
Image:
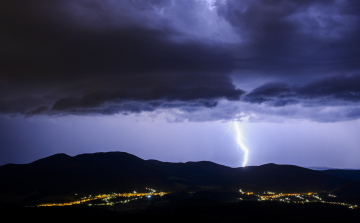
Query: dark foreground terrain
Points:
[190, 192]
[181, 207]
[121, 172]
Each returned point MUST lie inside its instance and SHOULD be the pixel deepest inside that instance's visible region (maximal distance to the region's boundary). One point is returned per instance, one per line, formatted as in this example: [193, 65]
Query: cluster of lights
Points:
[107, 197]
[108, 203]
[151, 190]
[303, 198]
[268, 196]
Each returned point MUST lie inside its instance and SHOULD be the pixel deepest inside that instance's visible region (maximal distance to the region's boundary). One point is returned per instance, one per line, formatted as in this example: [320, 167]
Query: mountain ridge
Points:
[120, 172]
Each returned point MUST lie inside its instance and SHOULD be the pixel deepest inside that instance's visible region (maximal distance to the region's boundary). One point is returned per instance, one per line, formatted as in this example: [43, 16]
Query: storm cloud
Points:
[106, 57]
[337, 90]
[151, 92]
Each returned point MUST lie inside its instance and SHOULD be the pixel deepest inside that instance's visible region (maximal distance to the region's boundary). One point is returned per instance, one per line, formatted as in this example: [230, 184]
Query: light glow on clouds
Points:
[229, 110]
[300, 143]
[196, 20]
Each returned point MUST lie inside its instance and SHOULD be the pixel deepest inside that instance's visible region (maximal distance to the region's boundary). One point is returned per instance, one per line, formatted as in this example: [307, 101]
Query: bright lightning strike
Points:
[239, 139]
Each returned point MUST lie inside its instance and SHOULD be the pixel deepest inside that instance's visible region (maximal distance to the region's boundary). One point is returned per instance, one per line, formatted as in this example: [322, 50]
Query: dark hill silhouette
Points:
[123, 172]
[290, 178]
[195, 173]
[351, 189]
[285, 178]
[348, 174]
[54, 160]
[86, 173]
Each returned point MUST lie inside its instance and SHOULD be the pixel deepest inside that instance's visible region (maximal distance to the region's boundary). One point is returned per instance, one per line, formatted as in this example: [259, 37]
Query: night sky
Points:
[168, 79]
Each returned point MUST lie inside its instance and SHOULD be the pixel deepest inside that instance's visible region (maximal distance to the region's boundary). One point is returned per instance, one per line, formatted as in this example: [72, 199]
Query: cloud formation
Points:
[146, 93]
[337, 90]
[106, 57]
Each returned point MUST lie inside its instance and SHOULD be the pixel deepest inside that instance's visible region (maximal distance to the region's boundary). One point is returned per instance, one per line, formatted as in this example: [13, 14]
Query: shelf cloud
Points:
[106, 57]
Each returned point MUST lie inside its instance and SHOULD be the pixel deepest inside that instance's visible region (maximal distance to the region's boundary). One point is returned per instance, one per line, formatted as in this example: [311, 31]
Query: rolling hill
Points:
[122, 172]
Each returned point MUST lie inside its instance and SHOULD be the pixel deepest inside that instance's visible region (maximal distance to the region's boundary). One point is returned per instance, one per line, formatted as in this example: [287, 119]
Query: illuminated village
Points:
[108, 199]
[298, 198]
[123, 198]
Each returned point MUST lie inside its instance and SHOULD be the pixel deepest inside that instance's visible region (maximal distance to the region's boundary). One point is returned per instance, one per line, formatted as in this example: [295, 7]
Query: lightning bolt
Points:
[239, 139]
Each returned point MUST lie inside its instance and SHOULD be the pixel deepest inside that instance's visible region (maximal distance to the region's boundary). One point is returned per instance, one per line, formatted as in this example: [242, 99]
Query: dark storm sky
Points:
[181, 63]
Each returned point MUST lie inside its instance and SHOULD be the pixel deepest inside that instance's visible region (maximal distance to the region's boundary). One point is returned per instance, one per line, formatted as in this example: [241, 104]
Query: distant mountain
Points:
[348, 174]
[290, 178]
[123, 172]
[319, 168]
[328, 168]
[265, 177]
[86, 173]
